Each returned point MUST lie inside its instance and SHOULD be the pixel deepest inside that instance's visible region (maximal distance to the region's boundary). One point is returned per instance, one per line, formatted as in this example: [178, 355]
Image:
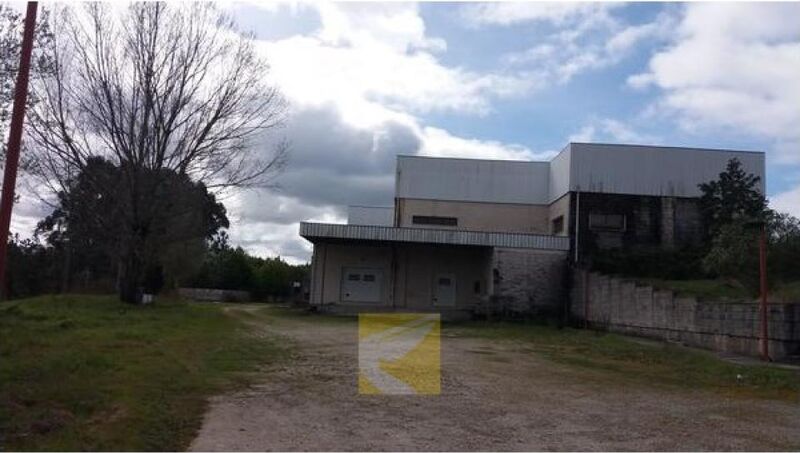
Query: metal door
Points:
[444, 290]
[361, 284]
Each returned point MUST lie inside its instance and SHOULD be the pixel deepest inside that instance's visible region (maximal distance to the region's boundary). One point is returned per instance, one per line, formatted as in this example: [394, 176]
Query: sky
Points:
[368, 81]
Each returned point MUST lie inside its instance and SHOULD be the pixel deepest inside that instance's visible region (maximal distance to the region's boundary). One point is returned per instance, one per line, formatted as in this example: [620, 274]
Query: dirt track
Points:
[495, 396]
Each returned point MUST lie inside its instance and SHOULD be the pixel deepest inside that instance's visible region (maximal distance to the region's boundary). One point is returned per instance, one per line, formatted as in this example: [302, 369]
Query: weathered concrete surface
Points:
[621, 305]
[528, 282]
[496, 395]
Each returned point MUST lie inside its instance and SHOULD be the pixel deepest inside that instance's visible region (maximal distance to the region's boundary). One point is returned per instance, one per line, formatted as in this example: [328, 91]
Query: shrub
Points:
[651, 263]
[734, 254]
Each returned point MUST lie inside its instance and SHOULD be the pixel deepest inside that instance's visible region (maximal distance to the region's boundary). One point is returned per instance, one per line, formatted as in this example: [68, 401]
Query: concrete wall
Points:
[649, 221]
[689, 228]
[419, 265]
[329, 260]
[528, 282]
[478, 216]
[623, 306]
[561, 207]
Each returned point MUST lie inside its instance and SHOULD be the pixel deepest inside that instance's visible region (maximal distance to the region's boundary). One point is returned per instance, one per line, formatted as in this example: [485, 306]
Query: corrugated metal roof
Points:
[313, 231]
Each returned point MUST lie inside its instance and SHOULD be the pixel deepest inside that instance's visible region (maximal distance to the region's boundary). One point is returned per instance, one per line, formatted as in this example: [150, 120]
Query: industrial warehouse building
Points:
[468, 235]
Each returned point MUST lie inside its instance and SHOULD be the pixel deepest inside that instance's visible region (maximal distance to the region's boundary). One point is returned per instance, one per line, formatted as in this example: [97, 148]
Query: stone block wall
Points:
[621, 305]
[528, 282]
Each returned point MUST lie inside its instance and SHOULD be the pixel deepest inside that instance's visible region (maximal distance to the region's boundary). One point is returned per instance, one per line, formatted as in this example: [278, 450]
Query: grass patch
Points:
[625, 358]
[787, 292]
[89, 373]
[723, 290]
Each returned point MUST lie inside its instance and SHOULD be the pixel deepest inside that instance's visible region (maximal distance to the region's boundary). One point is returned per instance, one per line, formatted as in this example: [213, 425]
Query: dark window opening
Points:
[477, 287]
[558, 225]
[354, 277]
[444, 281]
[434, 220]
[607, 222]
[369, 278]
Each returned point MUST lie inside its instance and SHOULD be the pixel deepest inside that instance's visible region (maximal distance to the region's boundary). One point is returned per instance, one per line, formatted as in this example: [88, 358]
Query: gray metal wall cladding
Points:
[370, 215]
[314, 231]
[586, 167]
[649, 170]
[489, 181]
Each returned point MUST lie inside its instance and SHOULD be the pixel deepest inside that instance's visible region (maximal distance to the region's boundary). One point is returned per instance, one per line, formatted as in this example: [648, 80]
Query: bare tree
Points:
[154, 89]
[11, 22]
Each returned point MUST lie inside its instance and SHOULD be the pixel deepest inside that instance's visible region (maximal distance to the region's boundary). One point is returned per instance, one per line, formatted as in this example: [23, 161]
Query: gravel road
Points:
[495, 396]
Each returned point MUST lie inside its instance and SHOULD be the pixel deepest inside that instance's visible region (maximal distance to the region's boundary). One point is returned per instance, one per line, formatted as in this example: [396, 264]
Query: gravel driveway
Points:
[495, 396]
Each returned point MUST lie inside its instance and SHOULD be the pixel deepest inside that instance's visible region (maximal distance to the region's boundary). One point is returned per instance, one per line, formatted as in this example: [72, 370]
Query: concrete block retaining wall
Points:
[623, 306]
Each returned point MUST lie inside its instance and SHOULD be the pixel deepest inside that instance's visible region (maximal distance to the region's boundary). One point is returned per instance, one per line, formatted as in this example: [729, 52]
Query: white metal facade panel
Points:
[494, 181]
[559, 174]
[647, 170]
[370, 215]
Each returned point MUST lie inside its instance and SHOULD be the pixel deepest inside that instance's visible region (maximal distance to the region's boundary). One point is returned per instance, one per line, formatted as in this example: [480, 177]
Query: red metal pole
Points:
[15, 138]
[762, 263]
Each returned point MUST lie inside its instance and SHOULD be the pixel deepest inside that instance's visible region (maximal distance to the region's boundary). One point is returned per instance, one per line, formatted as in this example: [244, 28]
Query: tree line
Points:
[225, 267]
[48, 267]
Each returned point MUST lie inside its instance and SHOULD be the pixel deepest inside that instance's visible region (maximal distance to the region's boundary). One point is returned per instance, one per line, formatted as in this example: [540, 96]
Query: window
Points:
[369, 278]
[434, 220]
[477, 287]
[444, 281]
[354, 277]
[608, 222]
[558, 225]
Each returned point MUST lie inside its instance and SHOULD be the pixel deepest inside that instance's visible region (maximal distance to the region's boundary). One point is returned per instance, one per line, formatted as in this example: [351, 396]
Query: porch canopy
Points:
[328, 232]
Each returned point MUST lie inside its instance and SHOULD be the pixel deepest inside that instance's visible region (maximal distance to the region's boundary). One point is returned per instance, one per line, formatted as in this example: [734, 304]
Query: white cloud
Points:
[28, 210]
[734, 68]
[266, 224]
[611, 130]
[394, 25]
[788, 201]
[372, 57]
[440, 143]
[586, 43]
[509, 13]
